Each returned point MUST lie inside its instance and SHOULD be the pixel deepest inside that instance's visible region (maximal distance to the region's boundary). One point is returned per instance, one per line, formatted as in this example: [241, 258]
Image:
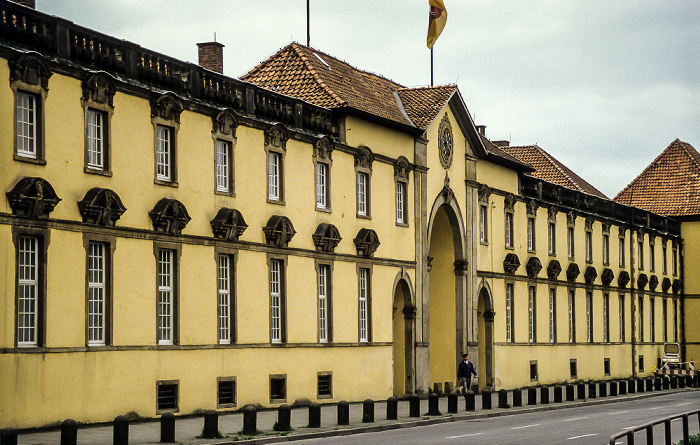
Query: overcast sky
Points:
[604, 86]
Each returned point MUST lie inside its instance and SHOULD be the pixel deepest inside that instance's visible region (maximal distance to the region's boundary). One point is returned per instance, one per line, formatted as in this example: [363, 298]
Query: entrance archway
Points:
[404, 315]
[485, 320]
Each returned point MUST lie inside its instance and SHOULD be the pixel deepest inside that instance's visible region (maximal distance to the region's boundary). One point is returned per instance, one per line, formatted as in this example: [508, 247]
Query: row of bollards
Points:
[569, 392]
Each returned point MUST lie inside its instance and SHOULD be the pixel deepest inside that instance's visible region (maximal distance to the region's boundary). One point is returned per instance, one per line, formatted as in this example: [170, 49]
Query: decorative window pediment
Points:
[323, 147]
[509, 202]
[225, 122]
[32, 197]
[589, 223]
[228, 224]
[169, 216]
[676, 286]
[552, 213]
[642, 281]
[623, 279]
[366, 242]
[99, 88]
[167, 107]
[606, 228]
[607, 276]
[532, 208]
[364, 157]
[326, 238]
[279, 231]
[31, 69]
[665, 284]
[101, 206]
[553, 270]
[571, 218]
[533, 267]
[511, 263]
[402, 168]
[653, 282]
[572, 272]
[590, 275]
[277, 136]
[484, 193]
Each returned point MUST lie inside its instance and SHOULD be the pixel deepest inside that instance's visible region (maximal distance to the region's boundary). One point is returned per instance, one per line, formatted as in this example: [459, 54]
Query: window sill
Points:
[484, 243]
[278, 202]
[94, 171]
[222, 193]
[363, 216]
[324, 397]
[35, 161]
[400, 224]
[166, 183]
[323, 209]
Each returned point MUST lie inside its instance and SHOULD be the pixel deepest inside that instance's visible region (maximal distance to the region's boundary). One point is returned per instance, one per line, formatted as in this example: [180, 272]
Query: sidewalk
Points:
[188, 428]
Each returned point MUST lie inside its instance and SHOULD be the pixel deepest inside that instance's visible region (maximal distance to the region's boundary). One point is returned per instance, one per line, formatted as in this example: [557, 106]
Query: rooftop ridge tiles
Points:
[316, 75]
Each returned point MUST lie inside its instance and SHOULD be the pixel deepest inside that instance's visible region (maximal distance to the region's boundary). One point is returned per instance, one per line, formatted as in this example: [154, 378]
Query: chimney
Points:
[27, 3]
[501, 143]
[481, 129]
[211, 56]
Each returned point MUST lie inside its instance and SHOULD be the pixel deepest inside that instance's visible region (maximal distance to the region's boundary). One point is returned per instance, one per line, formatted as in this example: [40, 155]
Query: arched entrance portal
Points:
[403, 321]
[447, 284]
[485, 320]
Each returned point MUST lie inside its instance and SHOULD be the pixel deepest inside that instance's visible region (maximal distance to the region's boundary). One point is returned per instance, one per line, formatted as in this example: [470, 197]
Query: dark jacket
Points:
[465, 369]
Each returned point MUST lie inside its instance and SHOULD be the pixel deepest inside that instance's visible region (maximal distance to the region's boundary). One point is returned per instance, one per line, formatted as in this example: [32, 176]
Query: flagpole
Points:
[431, 67]
[308, 27]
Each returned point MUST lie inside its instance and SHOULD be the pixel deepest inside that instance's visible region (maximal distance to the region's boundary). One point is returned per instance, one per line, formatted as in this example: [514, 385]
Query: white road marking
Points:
[526, 426]
[463, 435]
[619, 412]
[684, 404]
[578, 437]
[576, 418]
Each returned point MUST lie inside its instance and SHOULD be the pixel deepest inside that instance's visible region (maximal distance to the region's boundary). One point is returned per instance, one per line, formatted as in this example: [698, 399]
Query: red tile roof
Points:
[316, 77]
[670, 185]
[551, 170]
[496, 151]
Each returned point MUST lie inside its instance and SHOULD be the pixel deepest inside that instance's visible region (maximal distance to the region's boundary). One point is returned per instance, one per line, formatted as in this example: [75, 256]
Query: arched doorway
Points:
[485, 320]
[404, 315]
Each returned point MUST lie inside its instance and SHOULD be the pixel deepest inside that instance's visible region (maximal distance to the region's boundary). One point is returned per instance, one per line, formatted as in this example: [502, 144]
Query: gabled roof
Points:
[497, 152]
[551, 170]
[670, 185]
[424, 103]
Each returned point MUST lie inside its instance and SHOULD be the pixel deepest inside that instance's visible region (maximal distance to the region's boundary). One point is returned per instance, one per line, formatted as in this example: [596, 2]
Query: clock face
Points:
[446, 147]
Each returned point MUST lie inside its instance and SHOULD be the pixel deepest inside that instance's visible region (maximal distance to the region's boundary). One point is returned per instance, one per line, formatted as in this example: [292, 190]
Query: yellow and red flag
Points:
[436, 22]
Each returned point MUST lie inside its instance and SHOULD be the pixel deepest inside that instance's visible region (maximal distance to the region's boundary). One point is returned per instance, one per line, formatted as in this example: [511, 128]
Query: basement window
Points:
[573, 368]
[226, 392]
[278, 388]
[641, 363]
[325, 385]
[167, 396]
[606, 366]
[533, 371]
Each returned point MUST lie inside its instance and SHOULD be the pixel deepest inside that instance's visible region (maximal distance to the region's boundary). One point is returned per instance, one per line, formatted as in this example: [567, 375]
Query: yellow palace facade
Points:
[174, 240]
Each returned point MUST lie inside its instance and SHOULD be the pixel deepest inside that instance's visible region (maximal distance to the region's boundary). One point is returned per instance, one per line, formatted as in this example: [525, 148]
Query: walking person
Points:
[465, 369]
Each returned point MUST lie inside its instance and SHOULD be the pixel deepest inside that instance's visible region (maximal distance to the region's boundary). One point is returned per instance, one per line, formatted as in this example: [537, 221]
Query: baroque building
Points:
[174, 239]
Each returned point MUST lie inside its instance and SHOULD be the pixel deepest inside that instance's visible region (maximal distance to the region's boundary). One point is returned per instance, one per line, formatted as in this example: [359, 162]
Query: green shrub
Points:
[693, 440]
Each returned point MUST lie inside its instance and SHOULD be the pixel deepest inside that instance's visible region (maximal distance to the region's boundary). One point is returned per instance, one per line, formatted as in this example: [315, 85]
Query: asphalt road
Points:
[584, 425]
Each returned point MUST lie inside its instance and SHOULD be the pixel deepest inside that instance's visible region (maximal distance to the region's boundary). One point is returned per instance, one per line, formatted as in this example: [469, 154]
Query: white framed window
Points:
[652, 321]
[622, 252]
[28, 291]
[531, 234]
[97, 293]
[640, 318]
[552, 234]
[509, 312]
[276, 301]
[606, 317]
[483, 223]
[401, 203]
[274, 175]
[164, 153]
[552, 315]
[509, 230]
[606, 249]
[572, 316]
[321, 185]
[664, 319]
[96, 139]
[621, 313]
[589, 317]
[589, 246]
[363, 304]
[223, 166]
[26, 125]
[324, 303]
[531, 314]
[362, 194]
[570, 241]
[225, 299]
[166, 297]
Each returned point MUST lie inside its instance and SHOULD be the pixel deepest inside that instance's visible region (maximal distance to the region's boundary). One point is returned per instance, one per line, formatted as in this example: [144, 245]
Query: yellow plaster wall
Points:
[690, 232]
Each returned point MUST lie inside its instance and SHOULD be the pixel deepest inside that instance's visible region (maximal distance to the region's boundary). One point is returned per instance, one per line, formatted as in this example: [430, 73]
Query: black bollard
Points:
[344, 412]
[284, 418]
[485, 399]
[69, 432]
[433, 404]
[623, 387]
[121, 431]
[167, 428]
[414, 406]
[8, 436]
[640, 385]
[392, 408]
[570, 394]
[452, 403]
[689, 381]
[469, 401]
[631, 386]
[603, 389]
[666, 382]
[681, 382]
[544, 395]
[503, 399]
[591, 390]
[368, 411]
[649, 383]
[517, 397]
[211, 425]
[581, 391]
[558, 394]
[658, 384]
[314, 415]
[613, 389]
[532, 396]
[250, 420]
